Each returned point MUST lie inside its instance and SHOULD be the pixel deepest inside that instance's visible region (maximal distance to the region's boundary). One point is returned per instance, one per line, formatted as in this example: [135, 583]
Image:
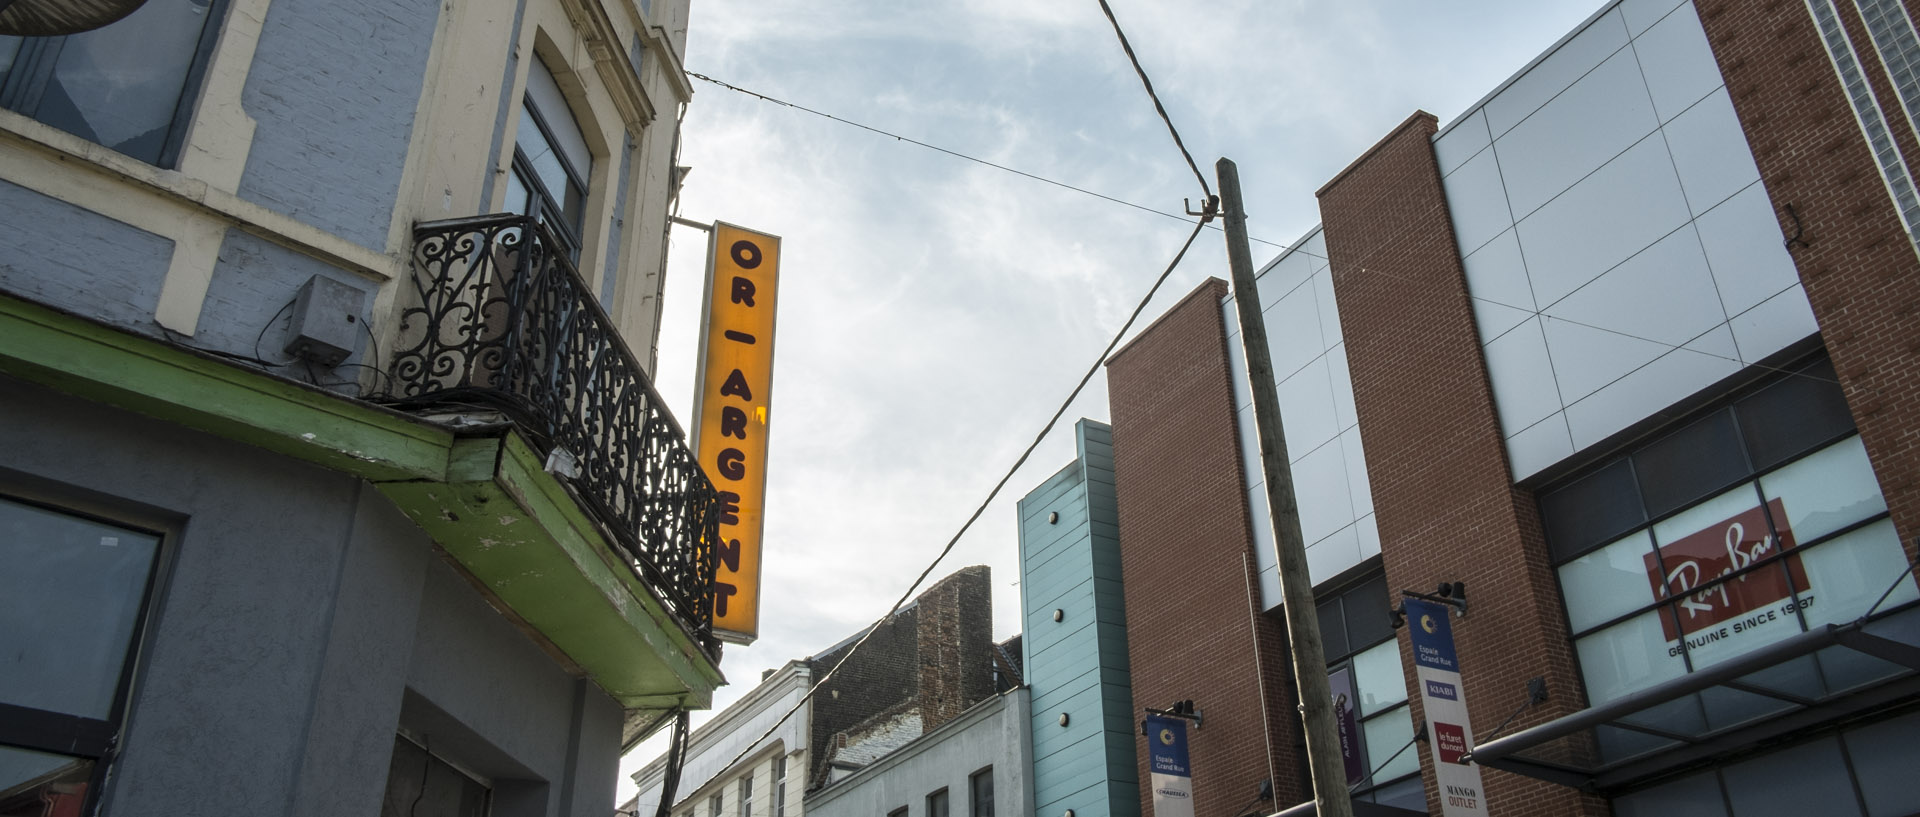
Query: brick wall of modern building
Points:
[1443, 493]
[1185, 552]
[1861, 274]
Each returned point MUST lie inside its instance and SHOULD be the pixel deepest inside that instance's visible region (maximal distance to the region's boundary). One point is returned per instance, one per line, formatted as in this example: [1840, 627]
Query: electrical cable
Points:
[1162, 109]
[958, 155]
[847, 657]
[263, 333]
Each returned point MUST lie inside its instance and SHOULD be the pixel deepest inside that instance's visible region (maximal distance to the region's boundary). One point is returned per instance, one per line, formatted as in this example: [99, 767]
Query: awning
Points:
[1821, 676]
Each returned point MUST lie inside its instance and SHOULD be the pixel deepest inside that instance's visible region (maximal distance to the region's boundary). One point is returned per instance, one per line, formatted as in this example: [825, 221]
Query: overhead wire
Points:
[1161, 109]
[960, 155]
[1138, 309]
[1358, 265]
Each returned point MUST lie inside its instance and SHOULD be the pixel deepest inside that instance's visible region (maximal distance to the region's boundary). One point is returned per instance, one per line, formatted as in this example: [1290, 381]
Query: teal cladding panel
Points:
[1078, 666]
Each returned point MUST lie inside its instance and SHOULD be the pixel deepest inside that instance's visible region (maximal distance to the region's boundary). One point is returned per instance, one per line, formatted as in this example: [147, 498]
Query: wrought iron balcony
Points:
[498, 320]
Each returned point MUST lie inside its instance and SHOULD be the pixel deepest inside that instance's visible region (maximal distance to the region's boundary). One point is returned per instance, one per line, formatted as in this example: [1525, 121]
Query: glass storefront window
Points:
[1826, 490]
[1607, 583]
[1629, 656]
[1380, 677]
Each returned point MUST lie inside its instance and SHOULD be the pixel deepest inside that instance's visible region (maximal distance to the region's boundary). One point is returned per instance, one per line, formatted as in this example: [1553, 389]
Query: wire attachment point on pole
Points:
[1206, 213]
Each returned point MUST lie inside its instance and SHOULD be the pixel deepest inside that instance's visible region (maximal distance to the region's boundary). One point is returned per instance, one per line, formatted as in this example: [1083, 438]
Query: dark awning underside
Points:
[1823, 676]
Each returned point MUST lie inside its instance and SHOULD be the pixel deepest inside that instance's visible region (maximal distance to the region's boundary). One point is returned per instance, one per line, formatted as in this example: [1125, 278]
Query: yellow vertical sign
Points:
[735, 391]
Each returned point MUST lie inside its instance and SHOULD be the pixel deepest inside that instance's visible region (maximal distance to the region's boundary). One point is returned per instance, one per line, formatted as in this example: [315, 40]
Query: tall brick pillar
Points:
[1185, 545]
[1861, 273]
[1443, 494]
[955, 638]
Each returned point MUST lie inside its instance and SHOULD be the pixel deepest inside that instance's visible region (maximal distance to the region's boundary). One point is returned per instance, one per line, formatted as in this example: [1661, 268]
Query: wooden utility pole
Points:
[1303, 625]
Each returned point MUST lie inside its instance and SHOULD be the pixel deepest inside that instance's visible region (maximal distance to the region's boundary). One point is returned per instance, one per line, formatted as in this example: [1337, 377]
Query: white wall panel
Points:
[1329, 310]
[1640, 393]
[1642, 14]
[1522, 373]
[1320, 483]
[1678, 63]
[1633, 328]
[1283, 278]
[1358, 489]
[1563, 141]
[1699, 140]
[1779, 322]
[1368, 533]
[1293, 330]
[1555, 72]
[1344, 414]
[1497, 273]
[1306, 402]
[1461, 141]
[1249, 446]
[1609, 216]
[1746, 250]
[1540, 445]
[1327, 557]
[1477, 202]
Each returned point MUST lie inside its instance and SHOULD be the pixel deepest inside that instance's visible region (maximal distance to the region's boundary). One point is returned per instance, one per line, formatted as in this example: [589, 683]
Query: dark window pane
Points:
[937, 804]
[1597, 508]
[1366, 612]
[983, 793]
[120, 85]
[40, 783]
[421, 785]
[1333, 630]
[70, 597]
[1690, 463]
[1794, 415]
[9, 48]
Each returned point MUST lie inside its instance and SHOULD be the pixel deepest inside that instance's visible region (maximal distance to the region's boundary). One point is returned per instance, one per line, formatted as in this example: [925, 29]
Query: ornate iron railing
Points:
[498, 319]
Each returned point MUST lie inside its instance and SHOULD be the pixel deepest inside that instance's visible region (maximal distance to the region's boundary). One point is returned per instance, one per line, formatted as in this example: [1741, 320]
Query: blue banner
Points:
[1432, 635]
[1170, 776]
[1167, 746]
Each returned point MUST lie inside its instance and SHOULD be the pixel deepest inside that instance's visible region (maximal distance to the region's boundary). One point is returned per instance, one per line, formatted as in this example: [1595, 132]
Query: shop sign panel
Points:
[1437, 667]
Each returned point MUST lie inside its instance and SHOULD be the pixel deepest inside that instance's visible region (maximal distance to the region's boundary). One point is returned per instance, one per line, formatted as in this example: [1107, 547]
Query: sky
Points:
[934, 312]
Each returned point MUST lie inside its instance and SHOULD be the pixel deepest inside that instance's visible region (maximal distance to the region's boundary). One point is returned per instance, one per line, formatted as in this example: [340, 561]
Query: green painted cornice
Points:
[486, 501]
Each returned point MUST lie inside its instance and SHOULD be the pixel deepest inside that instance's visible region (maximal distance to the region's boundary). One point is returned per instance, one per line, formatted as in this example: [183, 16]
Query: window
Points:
[551, 162]
[129, 86]
[780, 786]
[73, 601]
[1751, 524]
[937, 804]
[713, 805]
[899, 812]
[745, 806]
[981, 785]
[1363, 667]
[423, 784]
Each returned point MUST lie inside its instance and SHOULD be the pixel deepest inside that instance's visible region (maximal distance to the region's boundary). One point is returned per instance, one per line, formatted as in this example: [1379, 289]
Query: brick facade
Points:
[935, 657]
[1443, 493]
[1861, 274]
[1185, 550]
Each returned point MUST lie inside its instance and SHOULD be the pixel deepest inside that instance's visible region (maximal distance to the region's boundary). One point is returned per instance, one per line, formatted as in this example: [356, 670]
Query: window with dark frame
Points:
[1357, 635]
[745, 805]
[130, 86]
[82, 588]
[937, 804]
[551, 161]
[1752, 522]
[899, 812]
[980, 794]
[423, 784]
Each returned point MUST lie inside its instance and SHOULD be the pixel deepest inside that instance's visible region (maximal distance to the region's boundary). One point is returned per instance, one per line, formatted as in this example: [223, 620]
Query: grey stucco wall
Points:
[993, 733]
[253, 280]
[301, 621]
[78, 260]
[333, 86]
